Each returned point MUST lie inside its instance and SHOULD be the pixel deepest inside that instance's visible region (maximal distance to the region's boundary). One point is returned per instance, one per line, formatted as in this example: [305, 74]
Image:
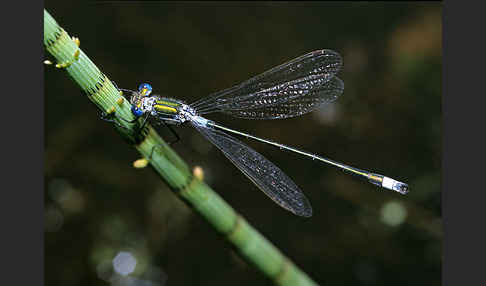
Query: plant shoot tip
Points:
[140, 163]
[198, 172]
[111, 110]
[76, 41]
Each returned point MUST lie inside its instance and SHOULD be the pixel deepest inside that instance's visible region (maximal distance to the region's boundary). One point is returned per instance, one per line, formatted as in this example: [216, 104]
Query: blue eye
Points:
[137, 112]
[144, 89]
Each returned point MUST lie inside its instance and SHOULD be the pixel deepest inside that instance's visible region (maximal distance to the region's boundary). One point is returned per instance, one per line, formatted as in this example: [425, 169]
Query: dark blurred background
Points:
[104, 219]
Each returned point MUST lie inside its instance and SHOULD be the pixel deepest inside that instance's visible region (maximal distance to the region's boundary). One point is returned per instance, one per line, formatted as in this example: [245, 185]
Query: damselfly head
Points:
[136, 102]
[145, 89]
[137, 99]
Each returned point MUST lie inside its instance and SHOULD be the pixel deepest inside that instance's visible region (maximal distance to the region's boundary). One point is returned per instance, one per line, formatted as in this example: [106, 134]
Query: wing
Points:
[305, 76]
[315, 98]
[268, 177]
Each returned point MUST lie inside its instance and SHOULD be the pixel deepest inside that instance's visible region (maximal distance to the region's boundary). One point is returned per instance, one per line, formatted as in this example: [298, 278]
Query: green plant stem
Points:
[248, 242]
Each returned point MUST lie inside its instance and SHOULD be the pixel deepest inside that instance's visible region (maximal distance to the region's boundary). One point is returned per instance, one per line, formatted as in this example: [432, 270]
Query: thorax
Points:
[168, 109]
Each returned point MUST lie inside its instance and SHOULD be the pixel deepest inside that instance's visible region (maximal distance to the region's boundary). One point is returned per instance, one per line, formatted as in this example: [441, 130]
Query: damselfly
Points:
[291, 89]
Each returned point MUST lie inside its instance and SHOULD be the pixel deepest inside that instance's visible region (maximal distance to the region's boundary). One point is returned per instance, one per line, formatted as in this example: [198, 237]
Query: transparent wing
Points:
[304, 76]
[268, 177]
[316, 98]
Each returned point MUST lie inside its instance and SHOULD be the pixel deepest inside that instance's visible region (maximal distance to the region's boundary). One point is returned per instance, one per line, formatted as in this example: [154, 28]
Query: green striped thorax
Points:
[166, 109]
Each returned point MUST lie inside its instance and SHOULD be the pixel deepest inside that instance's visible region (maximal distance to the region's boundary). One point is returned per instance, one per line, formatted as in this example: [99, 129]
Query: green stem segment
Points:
[249, 243]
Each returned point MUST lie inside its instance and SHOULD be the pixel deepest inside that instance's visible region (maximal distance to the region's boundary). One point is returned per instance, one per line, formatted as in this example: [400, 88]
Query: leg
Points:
[173, 132]
[169, 143]
[142, 163]
[121, 89]
[108, 117]
[129, 121]
[144, 121]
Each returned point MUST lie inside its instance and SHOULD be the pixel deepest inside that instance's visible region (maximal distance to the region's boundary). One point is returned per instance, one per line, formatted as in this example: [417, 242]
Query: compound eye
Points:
[137, 112]
[145, 89]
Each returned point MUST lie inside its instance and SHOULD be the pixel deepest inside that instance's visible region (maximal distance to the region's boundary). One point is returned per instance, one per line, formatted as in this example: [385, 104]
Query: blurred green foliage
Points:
[388, 120]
